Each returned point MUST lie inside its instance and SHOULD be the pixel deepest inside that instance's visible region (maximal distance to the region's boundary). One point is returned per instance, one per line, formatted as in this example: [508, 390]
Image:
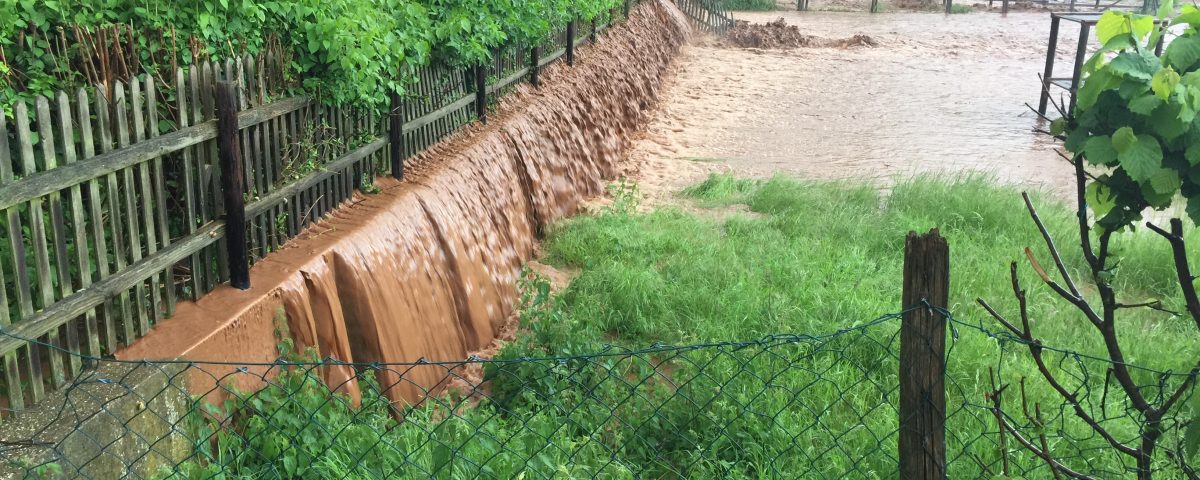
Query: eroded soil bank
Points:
[428, 267]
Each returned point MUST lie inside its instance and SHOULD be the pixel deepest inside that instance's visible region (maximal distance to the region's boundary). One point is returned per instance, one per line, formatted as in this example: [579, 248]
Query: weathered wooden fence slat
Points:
[13, 391]
[138, 324]
[37, 237]
[114, 229]
[107, 327]
[37, 325]
[145, 205]
[58, 234]
[82, 262]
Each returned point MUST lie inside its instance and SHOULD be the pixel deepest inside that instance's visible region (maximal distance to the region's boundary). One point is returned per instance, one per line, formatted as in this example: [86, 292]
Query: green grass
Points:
[812, 258]
[761, 5]
[960, 8]
[795, 257]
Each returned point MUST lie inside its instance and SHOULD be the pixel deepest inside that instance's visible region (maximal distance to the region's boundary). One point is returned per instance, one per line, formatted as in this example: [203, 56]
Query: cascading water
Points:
[428, 267]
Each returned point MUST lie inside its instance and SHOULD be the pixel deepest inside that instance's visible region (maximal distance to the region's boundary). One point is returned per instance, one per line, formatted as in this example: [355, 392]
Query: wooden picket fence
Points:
[114, 206]
[710, 15]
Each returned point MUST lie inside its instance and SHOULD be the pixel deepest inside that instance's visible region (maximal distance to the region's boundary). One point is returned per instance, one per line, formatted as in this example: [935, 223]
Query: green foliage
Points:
[1136, 117]
[762, 5]
[352, 51]
[960, 8]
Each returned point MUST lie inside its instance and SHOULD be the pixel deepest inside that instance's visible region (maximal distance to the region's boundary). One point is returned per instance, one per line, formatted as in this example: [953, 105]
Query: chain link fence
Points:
[783, 406]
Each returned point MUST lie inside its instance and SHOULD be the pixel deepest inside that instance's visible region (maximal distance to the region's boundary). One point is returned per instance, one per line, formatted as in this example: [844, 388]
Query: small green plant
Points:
[626, 197]
[956, 8]
[281, 222]
[317, 145]
[366, 184]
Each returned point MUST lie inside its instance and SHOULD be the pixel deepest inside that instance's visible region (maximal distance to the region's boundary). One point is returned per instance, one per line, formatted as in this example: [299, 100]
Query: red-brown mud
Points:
[428, 267]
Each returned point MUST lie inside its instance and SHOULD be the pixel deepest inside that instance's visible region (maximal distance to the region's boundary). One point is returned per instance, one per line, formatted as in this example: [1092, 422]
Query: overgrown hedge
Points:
[350, 50]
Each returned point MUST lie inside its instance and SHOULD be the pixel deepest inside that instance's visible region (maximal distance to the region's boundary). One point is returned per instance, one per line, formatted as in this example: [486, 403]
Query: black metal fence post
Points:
[396, 136]
[950, 6]
[592, 37]
[625, 8]
[535, 58]
[481, 92]
[571, 42]
[229, 152]
[1051, 51]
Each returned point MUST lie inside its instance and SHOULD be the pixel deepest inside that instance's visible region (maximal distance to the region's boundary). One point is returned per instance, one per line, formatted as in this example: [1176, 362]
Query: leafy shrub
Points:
[353, 51]
[1135, 118]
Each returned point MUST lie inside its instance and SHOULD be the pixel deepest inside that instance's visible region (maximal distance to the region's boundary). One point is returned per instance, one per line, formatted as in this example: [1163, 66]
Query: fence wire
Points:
[783, 406]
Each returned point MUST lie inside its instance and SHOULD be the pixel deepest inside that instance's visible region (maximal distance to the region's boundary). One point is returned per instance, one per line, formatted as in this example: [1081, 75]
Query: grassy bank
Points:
[786, 256]
[800, 276]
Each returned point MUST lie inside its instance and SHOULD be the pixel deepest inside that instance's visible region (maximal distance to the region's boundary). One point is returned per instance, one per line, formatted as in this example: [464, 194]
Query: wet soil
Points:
[778, 34]
[938, 94]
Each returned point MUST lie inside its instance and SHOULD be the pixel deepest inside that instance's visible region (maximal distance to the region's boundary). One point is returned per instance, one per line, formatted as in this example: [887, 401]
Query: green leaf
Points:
[1111, 25]
[1164, 82]
[1188, 14]
[1166, 9]
[1076, 140]
[1165, 181]
[1123, 138]
[1099, 150]
[1182, 53]
[1145, 104]
[1099, 197]
[1166, 122]
[1193, 154]
[1193, 437]
[1135, 64]
[1142, 158]
[1093, 84]
[1058, 126]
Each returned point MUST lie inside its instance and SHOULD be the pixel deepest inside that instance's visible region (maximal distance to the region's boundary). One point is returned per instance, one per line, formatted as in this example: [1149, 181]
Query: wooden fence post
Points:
[535, 58]
[396, 136]
[922, 444]
[571, 42]
[481, 92]
[230, 154]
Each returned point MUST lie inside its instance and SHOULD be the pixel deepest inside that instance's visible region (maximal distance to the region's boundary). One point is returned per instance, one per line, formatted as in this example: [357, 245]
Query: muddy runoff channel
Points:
[428, 267]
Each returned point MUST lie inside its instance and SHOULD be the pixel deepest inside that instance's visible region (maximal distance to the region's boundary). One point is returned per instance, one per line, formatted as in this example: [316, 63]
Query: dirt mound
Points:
[1015, 6]
[779, 35]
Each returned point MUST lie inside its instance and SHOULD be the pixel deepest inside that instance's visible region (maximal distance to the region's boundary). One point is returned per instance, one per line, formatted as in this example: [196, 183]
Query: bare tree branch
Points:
[1182, 268]
[1044, 454]
[1035, 352]
[1062, 269]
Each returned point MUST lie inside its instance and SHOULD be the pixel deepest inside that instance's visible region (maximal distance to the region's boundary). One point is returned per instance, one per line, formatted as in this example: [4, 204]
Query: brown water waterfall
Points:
[428, 267]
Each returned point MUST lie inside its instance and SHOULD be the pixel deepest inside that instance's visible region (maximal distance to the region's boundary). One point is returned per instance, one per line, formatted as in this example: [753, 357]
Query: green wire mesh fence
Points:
[784, 406]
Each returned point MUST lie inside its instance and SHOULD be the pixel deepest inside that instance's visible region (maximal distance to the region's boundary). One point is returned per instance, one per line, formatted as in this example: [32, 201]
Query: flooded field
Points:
[935, 93]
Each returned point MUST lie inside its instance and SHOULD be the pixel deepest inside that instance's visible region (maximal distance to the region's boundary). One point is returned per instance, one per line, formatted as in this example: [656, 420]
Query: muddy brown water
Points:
[937, 94]
[427, 269]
